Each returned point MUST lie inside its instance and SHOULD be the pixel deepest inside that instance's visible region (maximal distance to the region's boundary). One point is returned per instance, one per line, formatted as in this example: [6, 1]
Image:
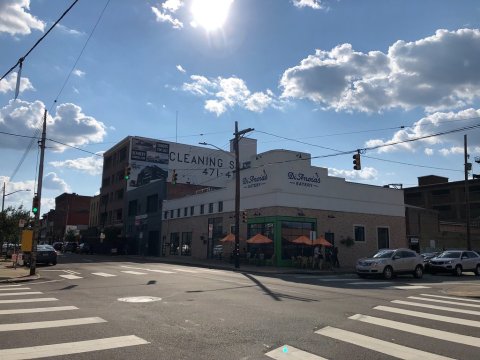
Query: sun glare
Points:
[210, 14]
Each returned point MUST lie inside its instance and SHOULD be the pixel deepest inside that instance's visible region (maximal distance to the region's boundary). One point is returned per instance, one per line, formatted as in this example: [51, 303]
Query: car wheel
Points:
[54, 262]
[458, 270]
[477, 270]
[418, 273]
[388, 272]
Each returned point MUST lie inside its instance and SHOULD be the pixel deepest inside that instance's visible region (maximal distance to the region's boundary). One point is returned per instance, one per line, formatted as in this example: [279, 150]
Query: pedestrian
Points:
[335, 261]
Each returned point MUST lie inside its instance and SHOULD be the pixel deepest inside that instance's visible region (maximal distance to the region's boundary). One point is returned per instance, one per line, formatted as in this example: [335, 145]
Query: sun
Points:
[210, 14]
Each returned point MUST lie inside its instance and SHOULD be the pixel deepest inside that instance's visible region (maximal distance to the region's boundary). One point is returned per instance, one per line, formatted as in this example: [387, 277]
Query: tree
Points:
[70, 236]
[9, 219]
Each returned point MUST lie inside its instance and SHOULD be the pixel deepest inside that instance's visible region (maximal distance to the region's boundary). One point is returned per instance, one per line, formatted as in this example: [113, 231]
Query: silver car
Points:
[389, 262]
[456, 262]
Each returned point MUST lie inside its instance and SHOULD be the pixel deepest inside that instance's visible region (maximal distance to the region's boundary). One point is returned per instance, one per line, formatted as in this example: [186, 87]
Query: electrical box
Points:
[27, 240]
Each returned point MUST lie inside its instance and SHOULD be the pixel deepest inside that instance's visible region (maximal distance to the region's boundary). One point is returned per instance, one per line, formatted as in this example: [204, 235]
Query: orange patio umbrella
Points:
[302, 240]
[321, 241]
[229, 238]
[259, 239]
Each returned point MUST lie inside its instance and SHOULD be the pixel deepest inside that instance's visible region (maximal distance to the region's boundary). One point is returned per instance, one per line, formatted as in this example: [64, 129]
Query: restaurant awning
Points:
[229, 238]
[321, 241]
[302, 240]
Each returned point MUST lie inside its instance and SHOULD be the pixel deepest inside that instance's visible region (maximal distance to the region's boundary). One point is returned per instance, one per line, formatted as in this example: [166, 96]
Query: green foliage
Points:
[70, 236]
[9, 218]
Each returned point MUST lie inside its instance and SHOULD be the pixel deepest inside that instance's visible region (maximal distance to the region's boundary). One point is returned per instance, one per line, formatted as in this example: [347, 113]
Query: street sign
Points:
[21, 223]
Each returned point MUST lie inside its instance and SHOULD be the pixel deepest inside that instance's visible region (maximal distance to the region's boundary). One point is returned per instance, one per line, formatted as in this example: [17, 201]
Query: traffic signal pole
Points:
[36, 228]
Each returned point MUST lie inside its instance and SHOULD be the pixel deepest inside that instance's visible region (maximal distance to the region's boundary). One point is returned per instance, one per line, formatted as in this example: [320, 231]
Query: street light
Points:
[13, 192]
[216, 147]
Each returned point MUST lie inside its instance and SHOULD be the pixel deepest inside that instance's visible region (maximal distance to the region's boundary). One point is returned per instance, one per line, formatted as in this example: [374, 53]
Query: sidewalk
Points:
[8, 274]
[472, 291]
[247, 268]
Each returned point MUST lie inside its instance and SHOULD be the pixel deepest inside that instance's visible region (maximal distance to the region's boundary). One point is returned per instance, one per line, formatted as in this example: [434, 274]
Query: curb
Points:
[20, 279]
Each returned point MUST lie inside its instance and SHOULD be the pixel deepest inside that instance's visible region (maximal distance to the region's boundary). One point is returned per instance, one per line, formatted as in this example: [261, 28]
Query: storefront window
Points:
[292, 230]
[174, 244]
[262, 250]
[186, 248]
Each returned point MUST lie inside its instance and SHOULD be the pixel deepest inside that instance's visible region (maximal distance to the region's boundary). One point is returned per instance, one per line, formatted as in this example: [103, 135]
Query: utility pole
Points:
[3, 197]
[467, 195]
[237, 191]
[36, 231]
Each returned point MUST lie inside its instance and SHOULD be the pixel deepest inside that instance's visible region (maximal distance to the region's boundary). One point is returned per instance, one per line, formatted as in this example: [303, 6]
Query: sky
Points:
[325, 77]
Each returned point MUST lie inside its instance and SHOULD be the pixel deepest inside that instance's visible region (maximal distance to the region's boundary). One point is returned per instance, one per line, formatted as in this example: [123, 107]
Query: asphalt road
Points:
[200, 313]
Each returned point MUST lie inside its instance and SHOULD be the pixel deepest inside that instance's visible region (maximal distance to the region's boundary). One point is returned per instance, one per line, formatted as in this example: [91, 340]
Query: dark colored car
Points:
[58, 246]
[70, 246]
[46, 254]
[427, 257]
[84, 248]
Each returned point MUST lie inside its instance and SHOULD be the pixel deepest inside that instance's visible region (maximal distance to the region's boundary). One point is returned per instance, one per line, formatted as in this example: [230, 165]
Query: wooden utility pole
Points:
[36, 233]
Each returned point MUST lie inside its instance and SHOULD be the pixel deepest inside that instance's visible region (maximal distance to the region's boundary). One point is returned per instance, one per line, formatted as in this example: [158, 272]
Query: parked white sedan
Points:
[390, 262]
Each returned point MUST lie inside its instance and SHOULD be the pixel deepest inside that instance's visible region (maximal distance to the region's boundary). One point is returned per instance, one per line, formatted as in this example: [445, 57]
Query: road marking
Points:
[71, 277]
[72, 272]
[103, 274]
[185, 270]
[436, 307]
[7, 286]
[23, 293]
[134, 272]
[153, 270]
[410, 287]
[50, 324]
[43, 351]
[371, 283]
[26, 300]
[449, 319]
[384, 347]
[287, 352]
[419, 330]
[37, 310]
[444, 301]
[451, 297]
[18, 288]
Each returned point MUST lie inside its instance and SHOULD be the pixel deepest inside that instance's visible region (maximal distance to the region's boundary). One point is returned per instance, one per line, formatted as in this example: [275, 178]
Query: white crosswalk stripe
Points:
[77, 347]
[15, 289]
[103, 274]
[53, 350]
[410, 287]
[451, 298]
[436, 307]
[133, 272]
[287, 352]
[384, 347]
[9, 286]
[444, 301]
[71, 277]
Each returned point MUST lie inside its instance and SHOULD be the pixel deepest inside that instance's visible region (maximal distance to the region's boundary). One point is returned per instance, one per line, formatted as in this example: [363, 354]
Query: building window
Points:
[174, 244]
[202, 209]
[210, 208]
[186, 248]
[178, 212]
[185, 211]
[171, 214]
[192, 210]
[383, 237]
[152, 203]
[108, 162]
[165, 215]
[132, 208]
[220, 206]
[119, 194]
[119, 215]
[359, 232]
[123, 154]
[106, 181]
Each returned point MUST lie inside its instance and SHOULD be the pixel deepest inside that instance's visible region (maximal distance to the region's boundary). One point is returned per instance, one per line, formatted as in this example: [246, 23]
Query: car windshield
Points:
[45, 248]
[383, 254]
[450, 254]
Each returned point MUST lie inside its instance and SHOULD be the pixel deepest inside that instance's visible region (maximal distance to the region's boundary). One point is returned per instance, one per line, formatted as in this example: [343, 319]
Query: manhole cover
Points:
[139, 299]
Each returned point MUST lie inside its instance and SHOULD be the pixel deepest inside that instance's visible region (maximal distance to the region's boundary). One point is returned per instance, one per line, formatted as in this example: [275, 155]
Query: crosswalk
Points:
[25, 328]
[425, 316]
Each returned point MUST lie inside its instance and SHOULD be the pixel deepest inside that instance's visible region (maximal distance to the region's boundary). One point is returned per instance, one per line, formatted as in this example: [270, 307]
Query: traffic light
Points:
[244, 216]
[127, 173]
[356, 161]
[174, 177]
[35, 204]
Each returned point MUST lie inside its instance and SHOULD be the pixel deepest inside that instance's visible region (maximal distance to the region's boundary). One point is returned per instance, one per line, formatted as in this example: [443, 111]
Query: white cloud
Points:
[432, 124]
[228, 93]
[15, 18]
[10, 83]
[428, 151]
[69, 125]
[314, 4]
[68, 30]
[366, 173]
[454, 150]
[79, 73]
[168, 18]
[91, 165]
[52, 182]
[181, 69]
[435, 73]
[172, 5]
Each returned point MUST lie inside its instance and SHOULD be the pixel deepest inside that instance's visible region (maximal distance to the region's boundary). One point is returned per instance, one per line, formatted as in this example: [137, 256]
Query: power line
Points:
[74, 147]
[38, 41]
